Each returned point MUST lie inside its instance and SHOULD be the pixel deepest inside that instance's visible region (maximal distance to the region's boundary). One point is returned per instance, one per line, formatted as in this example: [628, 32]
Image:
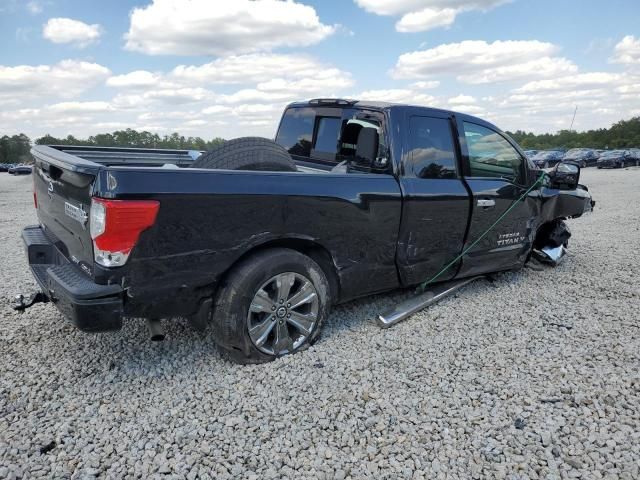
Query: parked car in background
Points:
[531, 153]
[20, 170]
[547, 159]
[584, 157]
[615, 159]
[4, 167]
[634, 153]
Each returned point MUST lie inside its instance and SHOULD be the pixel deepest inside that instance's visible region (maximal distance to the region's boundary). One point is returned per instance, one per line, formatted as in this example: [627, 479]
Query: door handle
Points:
[486, 203]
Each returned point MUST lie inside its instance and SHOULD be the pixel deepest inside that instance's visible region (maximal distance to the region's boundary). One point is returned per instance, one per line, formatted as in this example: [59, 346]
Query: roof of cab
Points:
[340, 102]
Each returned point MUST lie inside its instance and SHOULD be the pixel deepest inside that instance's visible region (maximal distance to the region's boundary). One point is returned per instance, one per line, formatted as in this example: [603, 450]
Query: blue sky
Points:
[220, 68]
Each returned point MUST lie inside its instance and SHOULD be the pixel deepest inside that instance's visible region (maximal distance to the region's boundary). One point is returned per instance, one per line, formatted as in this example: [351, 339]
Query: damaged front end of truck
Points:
[562, 197]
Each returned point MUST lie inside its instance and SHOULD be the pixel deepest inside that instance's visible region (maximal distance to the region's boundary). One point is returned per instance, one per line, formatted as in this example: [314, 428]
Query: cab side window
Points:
[431, 152]
[491, 155]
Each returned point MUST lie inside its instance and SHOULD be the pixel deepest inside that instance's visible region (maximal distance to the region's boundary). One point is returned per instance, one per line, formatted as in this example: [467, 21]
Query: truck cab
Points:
[456, 174]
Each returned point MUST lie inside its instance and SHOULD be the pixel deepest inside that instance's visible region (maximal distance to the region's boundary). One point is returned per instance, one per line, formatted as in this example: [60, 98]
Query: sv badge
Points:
[77, 213]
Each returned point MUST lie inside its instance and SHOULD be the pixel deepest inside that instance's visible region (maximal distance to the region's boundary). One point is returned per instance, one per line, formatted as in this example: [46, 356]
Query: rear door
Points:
[497, 176]
[436, 204]
[63, 203]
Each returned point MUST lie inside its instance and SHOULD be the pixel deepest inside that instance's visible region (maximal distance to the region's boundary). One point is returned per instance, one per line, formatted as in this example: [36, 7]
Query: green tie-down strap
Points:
[424, 284]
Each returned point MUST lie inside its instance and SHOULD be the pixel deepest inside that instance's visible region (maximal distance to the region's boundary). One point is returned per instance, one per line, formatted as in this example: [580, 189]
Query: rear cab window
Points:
[327, 136]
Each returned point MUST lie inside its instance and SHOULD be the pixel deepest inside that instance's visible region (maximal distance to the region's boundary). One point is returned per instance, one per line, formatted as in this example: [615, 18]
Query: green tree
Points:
[15, 149]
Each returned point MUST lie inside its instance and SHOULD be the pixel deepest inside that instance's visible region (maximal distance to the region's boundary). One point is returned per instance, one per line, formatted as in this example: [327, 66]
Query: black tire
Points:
[234, 297]
[247, 153]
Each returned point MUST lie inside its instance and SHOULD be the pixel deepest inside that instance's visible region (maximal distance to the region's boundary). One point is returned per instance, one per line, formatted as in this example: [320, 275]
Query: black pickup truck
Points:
[259, 238]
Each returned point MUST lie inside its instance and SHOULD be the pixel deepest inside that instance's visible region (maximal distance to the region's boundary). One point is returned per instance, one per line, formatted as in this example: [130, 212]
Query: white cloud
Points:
[203, 27]
[581, 81]
[426, 19]
[34, 8]
[67, 30]
[548, 105]
[421, 15]
[162, 96]
[249, 68]
[627, 51]
[425, 85]
[178, 96]
[80, 107]
[267, 78]
[398, 95]
[476, 61]
[135, 79]
[66, 79]
[461, 100]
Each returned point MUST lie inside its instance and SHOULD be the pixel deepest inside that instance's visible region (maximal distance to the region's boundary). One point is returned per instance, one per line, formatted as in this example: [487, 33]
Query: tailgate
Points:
[63, 194]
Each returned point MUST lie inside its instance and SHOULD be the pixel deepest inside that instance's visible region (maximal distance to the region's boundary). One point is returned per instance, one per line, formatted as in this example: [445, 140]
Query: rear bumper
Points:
[89, 306]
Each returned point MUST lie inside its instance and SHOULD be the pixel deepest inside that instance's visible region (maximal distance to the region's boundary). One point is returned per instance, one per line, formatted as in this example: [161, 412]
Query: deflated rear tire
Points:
[271, 304]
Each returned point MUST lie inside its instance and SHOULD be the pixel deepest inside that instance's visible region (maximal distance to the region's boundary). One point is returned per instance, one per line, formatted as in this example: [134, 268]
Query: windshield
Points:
[546, 155]
[576, 152]
[613, 153]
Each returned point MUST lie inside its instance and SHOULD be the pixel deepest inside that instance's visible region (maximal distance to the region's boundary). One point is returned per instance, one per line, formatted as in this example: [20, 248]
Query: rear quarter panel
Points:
[208, 219]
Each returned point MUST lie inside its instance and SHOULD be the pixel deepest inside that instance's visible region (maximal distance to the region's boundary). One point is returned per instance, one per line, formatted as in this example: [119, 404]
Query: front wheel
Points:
[271, 304]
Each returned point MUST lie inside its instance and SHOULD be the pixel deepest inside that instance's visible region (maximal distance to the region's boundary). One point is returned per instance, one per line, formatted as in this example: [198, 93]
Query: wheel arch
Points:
[305, 246]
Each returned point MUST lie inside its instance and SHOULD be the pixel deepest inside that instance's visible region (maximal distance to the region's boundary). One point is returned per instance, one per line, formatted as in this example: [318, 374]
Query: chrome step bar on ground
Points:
[422, 300]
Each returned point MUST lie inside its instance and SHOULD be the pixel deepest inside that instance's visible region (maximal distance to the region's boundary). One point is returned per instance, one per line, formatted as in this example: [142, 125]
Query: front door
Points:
[497, 176]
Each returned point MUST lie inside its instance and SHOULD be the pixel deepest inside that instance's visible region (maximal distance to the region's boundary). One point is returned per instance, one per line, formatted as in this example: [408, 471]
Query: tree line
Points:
[15, 149]
[624, 134]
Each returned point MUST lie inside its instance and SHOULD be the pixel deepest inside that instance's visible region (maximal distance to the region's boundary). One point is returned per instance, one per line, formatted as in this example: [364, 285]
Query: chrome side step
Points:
[416, 303]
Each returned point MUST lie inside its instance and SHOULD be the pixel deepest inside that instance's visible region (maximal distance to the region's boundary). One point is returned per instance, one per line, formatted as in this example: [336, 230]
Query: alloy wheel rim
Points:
[283, 313]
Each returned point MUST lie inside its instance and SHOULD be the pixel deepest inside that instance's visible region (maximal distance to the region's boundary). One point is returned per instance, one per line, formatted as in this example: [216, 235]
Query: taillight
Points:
[115, 226]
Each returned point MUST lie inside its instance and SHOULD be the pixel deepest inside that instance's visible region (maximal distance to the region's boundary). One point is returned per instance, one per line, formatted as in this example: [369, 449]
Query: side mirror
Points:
[366, 148]
[565, 176]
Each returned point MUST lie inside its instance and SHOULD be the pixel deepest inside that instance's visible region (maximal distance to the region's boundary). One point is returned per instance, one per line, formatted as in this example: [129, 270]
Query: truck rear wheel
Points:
[247, 153]
[271, 304]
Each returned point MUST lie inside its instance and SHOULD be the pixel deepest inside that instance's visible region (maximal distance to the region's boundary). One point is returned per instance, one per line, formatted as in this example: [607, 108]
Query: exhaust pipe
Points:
[155, 329]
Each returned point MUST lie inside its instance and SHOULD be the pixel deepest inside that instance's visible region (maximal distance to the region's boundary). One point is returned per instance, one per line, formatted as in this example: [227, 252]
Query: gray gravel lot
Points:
[534, 376]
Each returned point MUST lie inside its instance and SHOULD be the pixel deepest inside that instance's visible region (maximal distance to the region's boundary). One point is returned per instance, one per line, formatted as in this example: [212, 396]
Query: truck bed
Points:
[136, 157]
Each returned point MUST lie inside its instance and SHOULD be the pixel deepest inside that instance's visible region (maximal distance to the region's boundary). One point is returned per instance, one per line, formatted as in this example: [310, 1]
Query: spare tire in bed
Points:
[247, 153]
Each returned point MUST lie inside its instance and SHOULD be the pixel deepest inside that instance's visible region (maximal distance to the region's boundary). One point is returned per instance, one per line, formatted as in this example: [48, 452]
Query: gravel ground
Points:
[534, 376]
